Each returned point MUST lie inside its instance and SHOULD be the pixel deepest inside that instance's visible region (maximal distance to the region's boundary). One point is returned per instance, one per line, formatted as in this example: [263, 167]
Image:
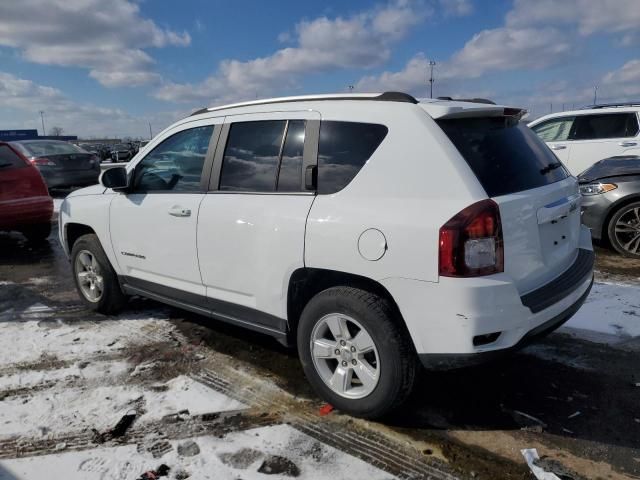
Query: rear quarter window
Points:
[343, 149]
[504, 154]
[9, 159]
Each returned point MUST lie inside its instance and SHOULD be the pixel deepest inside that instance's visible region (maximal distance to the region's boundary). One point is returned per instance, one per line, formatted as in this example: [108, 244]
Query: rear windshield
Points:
[505, 155]
[41, 148]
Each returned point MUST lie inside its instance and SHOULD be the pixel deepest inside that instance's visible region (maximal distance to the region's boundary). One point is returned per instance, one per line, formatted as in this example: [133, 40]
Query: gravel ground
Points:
[574, 400]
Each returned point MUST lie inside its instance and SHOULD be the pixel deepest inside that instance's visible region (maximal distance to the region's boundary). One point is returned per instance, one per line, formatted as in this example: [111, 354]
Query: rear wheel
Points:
[37, 233]
[355, 353]
[624, 230]
[95, 279]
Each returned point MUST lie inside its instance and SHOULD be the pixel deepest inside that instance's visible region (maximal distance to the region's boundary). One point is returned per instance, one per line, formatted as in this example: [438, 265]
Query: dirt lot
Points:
[575, 401]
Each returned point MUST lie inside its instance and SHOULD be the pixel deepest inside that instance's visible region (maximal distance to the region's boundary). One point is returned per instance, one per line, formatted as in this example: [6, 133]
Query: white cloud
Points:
[493, 50]
[323, 44]
[105, 36]
[456, 7]
[21, 100]
[625, 81]
[591, 16]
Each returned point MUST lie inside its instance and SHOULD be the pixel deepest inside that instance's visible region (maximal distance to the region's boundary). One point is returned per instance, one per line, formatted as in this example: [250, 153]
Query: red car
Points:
[25, 204]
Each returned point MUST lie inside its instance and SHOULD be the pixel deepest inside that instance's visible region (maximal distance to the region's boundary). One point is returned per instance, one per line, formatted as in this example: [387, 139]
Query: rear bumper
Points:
[465, 320]
[72, 178]
[22, 212]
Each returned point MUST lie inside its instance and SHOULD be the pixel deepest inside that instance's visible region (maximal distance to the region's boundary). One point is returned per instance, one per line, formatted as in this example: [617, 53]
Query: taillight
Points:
[42, 161]
[471, 242]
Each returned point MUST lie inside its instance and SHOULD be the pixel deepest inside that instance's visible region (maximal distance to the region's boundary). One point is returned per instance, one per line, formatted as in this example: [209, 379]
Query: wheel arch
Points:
[73, 231]
[634, 197]
[306, 282]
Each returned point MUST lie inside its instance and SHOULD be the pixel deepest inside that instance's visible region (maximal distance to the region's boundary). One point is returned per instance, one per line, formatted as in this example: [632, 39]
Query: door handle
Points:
[178, 211]
[628, 144]
[558, 147]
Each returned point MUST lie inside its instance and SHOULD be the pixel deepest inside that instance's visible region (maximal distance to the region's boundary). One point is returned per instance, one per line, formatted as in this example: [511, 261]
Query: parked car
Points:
[582, 137]
[372, 231]
[61, 164]
[25, 204]
[611, 202]
[121, 152]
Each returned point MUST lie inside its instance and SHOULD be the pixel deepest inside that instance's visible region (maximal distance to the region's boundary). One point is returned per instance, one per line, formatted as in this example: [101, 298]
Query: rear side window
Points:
[9, 159]
[250, 162]
[343, 149]
[609, 125]
[556, 130]
[505, 155]
[290, 175]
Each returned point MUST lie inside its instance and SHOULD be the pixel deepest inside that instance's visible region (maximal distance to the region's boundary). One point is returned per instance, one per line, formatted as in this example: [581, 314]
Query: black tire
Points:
[397, 358]
[37, 233]
[112, 299]
[618, 244]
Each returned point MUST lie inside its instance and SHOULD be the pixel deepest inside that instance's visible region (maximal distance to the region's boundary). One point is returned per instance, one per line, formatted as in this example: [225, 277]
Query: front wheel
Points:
[355, 353]
[95, 279]
[624, 230]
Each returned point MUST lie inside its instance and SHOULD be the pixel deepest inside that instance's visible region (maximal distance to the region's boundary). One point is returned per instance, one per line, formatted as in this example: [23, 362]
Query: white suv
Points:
[374, 231]
[581, 138]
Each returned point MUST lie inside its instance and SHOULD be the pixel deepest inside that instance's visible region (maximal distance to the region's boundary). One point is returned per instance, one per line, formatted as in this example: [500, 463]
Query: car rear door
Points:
[153, 225]
[252, 221]
[539, 202]
[599, 136]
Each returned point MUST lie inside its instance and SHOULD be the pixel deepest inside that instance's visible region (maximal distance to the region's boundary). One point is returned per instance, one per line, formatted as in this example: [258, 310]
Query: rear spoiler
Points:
[468, 109]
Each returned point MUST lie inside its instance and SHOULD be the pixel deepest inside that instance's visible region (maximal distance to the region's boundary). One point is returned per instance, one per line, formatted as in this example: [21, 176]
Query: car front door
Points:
[252, 221]
[555, 132]
[153, 225]
[599, 136]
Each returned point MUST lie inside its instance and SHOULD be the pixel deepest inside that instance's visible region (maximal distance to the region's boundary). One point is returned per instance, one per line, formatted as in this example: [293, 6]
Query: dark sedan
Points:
[61, 164]
[611, 202]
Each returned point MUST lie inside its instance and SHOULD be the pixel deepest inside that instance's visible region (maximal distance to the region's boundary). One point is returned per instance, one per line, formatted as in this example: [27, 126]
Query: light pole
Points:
[44, 132]
[350, 88]
[150, 134]
[431, 65]
[595, 95]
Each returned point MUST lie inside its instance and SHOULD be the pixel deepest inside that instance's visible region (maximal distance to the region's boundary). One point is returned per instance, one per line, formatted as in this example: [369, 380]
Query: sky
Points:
[104, 68]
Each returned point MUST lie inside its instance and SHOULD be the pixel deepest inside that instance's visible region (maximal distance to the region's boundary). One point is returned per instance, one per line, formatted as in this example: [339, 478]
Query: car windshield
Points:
[40, 148]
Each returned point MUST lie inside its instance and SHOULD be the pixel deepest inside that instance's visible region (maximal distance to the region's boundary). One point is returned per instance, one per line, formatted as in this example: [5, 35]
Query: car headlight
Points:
[597, 188]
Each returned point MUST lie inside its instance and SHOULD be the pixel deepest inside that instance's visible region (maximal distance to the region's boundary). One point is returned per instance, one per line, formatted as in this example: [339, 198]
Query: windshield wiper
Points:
[550, 167]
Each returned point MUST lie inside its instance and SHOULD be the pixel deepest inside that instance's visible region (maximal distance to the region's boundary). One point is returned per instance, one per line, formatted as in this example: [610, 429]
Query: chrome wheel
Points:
[345, 356]
[627, 230]
[89, 276]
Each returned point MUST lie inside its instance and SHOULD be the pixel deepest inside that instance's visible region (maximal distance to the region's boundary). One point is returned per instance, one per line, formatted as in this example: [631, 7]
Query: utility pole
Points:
[44, 132]
[595, 95]
[431, 65]
[150, 134]
[350, 88]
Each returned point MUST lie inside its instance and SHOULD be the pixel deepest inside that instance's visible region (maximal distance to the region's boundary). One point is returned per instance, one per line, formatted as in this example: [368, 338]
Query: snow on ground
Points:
[100, 407]
[611, 314]
[237, 455]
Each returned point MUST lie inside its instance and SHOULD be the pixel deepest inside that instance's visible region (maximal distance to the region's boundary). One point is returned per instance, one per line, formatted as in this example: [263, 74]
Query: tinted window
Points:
[9, 159]
[290, 175]
[343, 149]
[506, 156]
[250, 162]
[176, 164]
[555, 130]
[611, 125]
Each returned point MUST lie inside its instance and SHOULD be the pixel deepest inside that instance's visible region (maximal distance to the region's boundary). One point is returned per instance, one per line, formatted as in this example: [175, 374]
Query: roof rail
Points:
[383, 97]
[612, 105]
[472, 100]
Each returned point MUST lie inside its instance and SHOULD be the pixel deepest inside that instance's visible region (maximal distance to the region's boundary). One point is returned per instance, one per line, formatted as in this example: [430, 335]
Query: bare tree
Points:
[56, 131]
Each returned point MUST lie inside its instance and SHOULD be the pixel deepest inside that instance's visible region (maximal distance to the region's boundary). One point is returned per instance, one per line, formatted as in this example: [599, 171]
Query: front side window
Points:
[176, 164]
[606, 125]
[344, 148]
[555, 130]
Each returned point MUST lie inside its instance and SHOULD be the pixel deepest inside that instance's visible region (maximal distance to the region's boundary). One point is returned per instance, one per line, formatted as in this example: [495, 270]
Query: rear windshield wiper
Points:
[550, 167]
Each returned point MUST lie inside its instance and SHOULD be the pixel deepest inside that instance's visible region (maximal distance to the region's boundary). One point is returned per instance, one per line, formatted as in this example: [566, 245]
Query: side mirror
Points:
[115, 178]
